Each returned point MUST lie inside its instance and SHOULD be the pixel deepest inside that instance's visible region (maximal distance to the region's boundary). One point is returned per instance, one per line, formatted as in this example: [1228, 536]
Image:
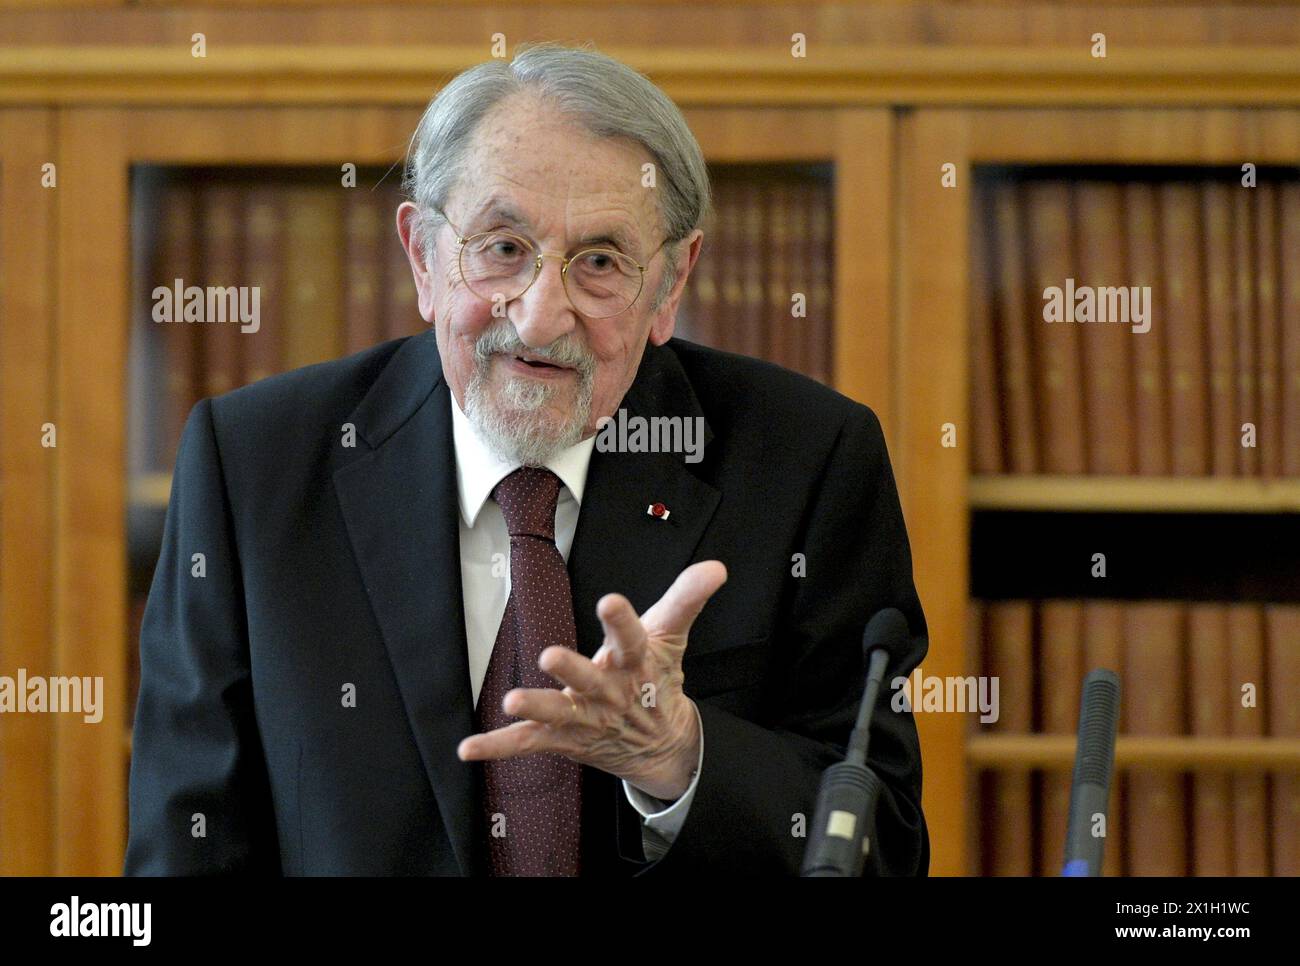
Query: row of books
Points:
[763, 284]
[1210, 388]
[332, 278]
[1210, 669]
[330, 274]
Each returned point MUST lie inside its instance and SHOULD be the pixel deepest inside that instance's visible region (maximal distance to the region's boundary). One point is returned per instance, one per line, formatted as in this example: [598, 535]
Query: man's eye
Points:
[598, 261]
[500, 248]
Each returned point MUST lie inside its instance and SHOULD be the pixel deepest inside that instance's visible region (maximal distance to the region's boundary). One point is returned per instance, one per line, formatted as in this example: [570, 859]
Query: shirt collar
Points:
[479, 469]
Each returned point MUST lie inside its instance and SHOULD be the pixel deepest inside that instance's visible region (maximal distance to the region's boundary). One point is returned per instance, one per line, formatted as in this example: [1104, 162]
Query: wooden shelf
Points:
[1100, 493]
[1134, 494]
[1177, 753]
[843, 74]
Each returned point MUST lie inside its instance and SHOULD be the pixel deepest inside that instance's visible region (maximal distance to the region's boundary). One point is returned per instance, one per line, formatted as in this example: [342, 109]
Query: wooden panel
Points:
[265, 135]
[763, 75]
[727, 135]
[864, 278]
[90, 564]
[1172, 753]
[1135, 494]
[648, 5]
[1212, 136]
[26, 474]
[720, 24]
[932, 391]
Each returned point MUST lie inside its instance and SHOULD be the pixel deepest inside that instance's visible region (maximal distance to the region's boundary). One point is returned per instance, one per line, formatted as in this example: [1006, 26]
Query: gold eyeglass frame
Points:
[565, 260]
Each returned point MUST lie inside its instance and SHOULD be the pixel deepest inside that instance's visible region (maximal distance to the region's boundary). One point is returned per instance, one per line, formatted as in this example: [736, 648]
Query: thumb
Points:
[675, 612]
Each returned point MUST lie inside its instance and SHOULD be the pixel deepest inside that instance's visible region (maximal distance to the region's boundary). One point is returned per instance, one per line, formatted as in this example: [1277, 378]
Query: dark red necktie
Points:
[535, 800]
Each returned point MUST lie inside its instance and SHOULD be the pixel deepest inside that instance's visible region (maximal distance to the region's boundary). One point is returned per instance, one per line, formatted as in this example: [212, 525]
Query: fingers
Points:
[577, 671]
[625, 637]
[549, 713]
[520, 738]
[548, 706]
[675, 612]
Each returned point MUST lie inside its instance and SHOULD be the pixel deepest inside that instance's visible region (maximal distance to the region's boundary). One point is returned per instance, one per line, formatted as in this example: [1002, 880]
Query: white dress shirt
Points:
[483, 536]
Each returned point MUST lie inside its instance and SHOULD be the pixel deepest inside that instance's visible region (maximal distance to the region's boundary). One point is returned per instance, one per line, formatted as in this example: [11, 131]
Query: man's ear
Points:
[407, 217]
[665, 317]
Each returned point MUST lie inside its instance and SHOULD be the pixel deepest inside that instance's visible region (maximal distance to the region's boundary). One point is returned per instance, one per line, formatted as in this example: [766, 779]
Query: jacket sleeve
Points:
[759, 780]
[199, 796]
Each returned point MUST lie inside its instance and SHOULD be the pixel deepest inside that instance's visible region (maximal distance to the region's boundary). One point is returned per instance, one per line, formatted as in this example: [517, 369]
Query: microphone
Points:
[846, 802]
[1094, 758]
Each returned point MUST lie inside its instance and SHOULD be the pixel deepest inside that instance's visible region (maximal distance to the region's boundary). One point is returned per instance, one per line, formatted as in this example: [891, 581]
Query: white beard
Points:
[516, 426]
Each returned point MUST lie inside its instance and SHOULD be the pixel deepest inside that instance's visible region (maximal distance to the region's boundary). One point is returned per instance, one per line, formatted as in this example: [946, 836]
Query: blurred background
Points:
[896, 185]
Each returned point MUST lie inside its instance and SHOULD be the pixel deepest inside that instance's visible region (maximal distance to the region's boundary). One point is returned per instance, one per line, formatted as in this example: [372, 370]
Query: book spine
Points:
[1150, 391]
[1245, 268]
[1221, 311]
[1209, 694]
[1250, 848]
[221, 204]
[363, 269]
[781, 336]
[1155, 685]
[1289, 327]
[755, 320]
[264, 260]
[313, 312]
[1008, 656]
[1283, 645]
[1268, 421]
[730, 223]
[1107, 348]
[1185, 319]
[1059, 373]
[1014, 332]
[986, 438]
[820, 346]
[176, 265]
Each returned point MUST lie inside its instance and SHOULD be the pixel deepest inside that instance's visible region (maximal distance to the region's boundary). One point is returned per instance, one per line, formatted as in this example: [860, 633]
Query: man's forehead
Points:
[528, 164]
[593, 221]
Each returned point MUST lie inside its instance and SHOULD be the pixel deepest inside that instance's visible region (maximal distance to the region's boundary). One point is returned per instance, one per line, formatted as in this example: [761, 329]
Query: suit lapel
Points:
[401, 509]
[618, 546]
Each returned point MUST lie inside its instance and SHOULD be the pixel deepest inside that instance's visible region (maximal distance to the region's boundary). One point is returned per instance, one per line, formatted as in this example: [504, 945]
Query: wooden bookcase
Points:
[886, 105]
[97, 149]
[938, 492]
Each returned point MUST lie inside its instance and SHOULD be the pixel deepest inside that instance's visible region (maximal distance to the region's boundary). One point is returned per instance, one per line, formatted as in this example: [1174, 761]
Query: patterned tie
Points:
[539, 796]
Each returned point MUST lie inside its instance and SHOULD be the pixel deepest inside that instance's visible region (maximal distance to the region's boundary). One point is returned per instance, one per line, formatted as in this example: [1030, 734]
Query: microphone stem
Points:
[861, 737]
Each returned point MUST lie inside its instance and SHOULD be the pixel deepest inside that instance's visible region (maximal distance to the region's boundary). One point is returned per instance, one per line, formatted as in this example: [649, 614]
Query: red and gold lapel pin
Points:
[658, 510]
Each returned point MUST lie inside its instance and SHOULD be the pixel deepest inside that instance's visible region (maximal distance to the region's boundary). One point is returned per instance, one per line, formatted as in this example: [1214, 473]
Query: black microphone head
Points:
[888, 629]
[1098, 724]
[1094, 759]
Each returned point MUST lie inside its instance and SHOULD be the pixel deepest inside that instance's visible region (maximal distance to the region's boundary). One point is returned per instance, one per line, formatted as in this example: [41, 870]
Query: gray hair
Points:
[607, 98]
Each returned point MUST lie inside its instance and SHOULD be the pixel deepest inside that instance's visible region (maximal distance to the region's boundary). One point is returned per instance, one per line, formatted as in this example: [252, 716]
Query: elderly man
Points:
[439, 630]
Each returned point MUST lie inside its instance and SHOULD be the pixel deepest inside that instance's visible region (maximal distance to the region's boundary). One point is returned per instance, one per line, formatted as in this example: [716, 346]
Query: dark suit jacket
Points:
[329, 565]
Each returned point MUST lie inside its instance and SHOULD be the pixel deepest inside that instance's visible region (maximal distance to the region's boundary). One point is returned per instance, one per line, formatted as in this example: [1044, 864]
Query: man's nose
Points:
[544, 312]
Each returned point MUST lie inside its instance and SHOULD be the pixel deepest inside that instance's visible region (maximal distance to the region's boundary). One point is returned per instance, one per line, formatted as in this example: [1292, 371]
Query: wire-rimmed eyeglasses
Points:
[500, 265]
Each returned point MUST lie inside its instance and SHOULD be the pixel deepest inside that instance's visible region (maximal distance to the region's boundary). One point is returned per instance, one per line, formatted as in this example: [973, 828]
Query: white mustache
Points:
[566, 352]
